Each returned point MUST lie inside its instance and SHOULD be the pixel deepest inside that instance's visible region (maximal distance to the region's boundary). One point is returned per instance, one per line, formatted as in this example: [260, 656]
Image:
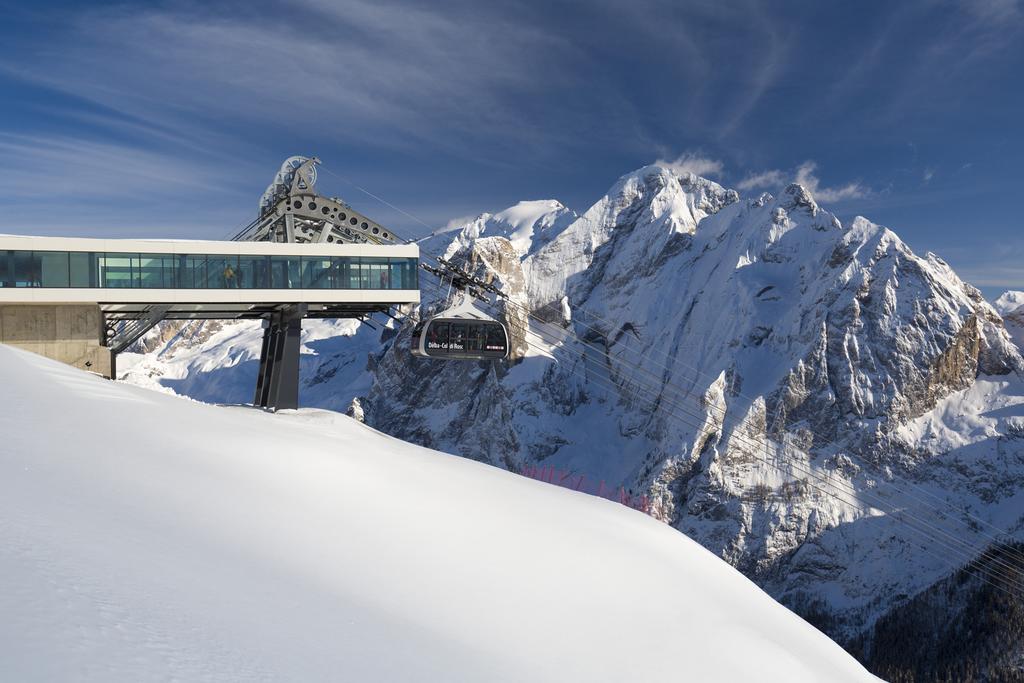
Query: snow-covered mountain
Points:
[148, 538]
[1011, 306]
[1009, 302]
[528, 226]
[788, 390]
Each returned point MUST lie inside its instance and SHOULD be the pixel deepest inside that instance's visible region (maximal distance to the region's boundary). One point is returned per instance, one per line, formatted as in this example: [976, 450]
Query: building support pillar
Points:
[277, 385]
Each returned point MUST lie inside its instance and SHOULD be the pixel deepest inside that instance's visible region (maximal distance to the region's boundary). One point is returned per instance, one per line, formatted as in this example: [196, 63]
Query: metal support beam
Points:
[123, 334]
[277, 385]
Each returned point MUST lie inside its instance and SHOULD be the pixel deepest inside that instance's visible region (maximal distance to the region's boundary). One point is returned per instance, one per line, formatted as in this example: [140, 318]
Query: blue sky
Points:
[169, 119]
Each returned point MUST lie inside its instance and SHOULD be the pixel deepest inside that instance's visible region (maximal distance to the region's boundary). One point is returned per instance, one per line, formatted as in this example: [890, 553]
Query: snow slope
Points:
[149, 537]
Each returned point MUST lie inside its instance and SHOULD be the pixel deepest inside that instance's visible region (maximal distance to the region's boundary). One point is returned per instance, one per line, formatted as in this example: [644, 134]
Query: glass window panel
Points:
[396, 277]
[26, 269]
[495, 337]
[252, 272]
[215, 269]
[278, 273]
[222, 271]
[437, 336]
[116, 271]
[342, 272]
[398, 273]
[6, 266]
[156, 271]
[337, 271]
[410, 281]
[192, 271]
[284, 272]
[358, 278]
[375, 273]
[82, 269]
[170, 267]
[136, 267]
[475, 336]
[53, 268]
[317, 273]
[457, 337]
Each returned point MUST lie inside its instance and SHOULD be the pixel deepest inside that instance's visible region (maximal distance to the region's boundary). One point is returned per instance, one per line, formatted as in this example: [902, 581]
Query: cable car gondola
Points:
[461, 333]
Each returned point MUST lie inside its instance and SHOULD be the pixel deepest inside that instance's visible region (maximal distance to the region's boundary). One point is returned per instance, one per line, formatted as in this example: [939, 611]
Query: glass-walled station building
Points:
[154, 270]
[82, 301]
[73, 269]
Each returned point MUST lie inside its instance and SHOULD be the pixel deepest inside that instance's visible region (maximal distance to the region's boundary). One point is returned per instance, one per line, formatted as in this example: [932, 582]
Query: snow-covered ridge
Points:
[654, 199]
[528, 226]
[209, 543]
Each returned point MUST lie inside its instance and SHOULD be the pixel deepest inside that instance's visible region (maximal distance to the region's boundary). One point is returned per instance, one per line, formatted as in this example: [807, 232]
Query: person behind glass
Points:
[384, 280]
[229, 277]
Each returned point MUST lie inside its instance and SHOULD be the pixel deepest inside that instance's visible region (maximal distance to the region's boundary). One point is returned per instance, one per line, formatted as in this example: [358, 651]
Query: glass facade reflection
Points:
[204, 271]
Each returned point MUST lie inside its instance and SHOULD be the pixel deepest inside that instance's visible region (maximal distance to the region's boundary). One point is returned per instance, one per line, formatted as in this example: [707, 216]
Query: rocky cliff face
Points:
[783, 387]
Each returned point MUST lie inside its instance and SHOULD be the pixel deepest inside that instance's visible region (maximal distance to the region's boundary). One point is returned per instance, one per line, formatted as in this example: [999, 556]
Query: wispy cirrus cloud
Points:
[57, 184]
[352, 71]
[994, 10]
[34, 166]
[769, 68]
[952, 39]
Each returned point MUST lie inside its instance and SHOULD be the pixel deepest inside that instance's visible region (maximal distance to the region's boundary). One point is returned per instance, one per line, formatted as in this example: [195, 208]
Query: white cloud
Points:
[805, 176]
[765, 179]
[928, 174]
[689, 162]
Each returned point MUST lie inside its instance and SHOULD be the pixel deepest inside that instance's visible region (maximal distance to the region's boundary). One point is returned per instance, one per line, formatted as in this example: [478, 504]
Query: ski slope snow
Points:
[149, 537]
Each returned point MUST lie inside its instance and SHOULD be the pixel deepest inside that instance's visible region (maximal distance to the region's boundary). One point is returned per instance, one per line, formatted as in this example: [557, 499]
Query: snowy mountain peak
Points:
[643, 214]
[708, 195]
[528, 225]
[1009, 302]
[797, 196]
[1011, 306]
